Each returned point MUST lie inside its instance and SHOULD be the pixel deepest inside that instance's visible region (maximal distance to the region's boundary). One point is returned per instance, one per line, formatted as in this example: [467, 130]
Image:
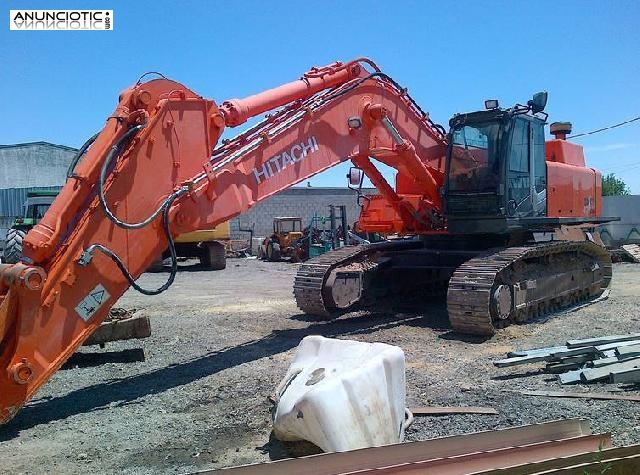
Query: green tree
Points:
[612, 186]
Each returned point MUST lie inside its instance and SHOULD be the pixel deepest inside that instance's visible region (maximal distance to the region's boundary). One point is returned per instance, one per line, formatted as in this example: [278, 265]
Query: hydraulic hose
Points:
[79, 154]
[115, 149]
[172, 250]
[389, 79]
[163, 208]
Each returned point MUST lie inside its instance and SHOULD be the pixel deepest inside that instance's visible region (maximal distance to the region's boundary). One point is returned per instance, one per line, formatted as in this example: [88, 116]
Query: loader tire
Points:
[214, 257]
[273, 251]
[13, 246]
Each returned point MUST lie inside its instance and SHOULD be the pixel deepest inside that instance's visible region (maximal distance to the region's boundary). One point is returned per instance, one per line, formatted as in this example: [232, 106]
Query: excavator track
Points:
[517, 284]
[321, 292]
[312, 276]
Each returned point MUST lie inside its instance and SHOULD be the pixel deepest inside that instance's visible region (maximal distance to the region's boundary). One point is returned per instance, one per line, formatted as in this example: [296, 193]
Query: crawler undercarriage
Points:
[486, 288]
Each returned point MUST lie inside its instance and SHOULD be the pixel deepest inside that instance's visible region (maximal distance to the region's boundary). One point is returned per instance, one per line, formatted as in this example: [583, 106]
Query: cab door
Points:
[526, 169]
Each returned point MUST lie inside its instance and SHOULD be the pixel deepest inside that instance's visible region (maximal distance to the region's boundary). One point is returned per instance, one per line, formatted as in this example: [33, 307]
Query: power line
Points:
[618, 170]
[604, 128]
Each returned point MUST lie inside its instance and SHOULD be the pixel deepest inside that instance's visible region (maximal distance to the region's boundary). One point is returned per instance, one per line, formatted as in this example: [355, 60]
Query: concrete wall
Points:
[302, 202]
[34, 164]
[627, 230]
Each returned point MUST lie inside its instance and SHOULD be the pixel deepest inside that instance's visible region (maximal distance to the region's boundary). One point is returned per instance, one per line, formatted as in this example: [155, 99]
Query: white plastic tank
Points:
[342, 395]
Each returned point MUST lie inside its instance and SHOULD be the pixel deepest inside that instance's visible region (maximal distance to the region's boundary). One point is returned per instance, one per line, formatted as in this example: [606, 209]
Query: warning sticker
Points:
[92, 302]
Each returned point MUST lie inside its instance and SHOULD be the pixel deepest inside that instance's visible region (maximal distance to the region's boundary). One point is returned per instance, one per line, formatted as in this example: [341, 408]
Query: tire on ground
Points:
[273, 251]
[13, 246]
[213, 257]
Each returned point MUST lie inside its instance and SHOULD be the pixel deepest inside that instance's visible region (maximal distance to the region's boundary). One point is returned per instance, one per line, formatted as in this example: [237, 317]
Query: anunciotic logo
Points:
[61, 20]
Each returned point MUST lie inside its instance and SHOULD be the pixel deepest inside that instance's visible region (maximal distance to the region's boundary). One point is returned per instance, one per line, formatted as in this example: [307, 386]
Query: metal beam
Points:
[602, 340]
[604, 396]
[558, 463]
[440, 410]
[381, 457]
[502, 458]
[620, 466]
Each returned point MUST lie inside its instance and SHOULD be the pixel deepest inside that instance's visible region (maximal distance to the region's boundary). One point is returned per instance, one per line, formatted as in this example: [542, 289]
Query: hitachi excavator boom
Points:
[154, 172]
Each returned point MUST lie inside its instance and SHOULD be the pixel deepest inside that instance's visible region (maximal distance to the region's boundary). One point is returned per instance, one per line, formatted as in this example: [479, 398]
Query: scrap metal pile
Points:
[612, 359]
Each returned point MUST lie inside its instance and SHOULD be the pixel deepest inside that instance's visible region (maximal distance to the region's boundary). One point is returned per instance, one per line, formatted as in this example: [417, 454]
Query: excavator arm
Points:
[156, 171]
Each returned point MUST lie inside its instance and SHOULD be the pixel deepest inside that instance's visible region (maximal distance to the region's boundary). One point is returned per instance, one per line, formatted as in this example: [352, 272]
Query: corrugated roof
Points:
[27, 144]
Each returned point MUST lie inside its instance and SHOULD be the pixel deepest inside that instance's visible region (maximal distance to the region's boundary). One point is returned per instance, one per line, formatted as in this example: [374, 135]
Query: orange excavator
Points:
[487, 212]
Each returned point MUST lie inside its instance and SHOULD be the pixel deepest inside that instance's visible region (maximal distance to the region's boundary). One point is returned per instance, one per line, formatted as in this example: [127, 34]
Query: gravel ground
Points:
[223, 340]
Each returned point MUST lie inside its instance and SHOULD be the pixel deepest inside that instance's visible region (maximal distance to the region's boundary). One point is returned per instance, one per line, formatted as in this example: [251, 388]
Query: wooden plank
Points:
[556, 463]
[602, 340]
[441, 410]
[117, 330]
[354, 460]
[628, 376]
[604, 396]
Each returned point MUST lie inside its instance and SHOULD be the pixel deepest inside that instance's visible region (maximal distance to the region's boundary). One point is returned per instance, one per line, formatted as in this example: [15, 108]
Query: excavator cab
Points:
[496, 169]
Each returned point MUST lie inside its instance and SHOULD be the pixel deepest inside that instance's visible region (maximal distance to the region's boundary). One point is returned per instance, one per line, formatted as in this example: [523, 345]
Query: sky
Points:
[60, 86]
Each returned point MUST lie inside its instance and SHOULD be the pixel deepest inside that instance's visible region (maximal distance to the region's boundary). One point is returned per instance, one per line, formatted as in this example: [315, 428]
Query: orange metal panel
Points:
[572, 191]
[238, 111]
[379, 216]
[598, 192]
[561, 151]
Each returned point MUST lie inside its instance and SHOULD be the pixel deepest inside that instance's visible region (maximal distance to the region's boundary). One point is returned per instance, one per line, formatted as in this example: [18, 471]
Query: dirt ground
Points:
[223, 340]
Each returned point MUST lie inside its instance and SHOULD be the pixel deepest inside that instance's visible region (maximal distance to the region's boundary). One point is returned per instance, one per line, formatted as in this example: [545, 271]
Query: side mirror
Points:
[355, 177]
[538, 102]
